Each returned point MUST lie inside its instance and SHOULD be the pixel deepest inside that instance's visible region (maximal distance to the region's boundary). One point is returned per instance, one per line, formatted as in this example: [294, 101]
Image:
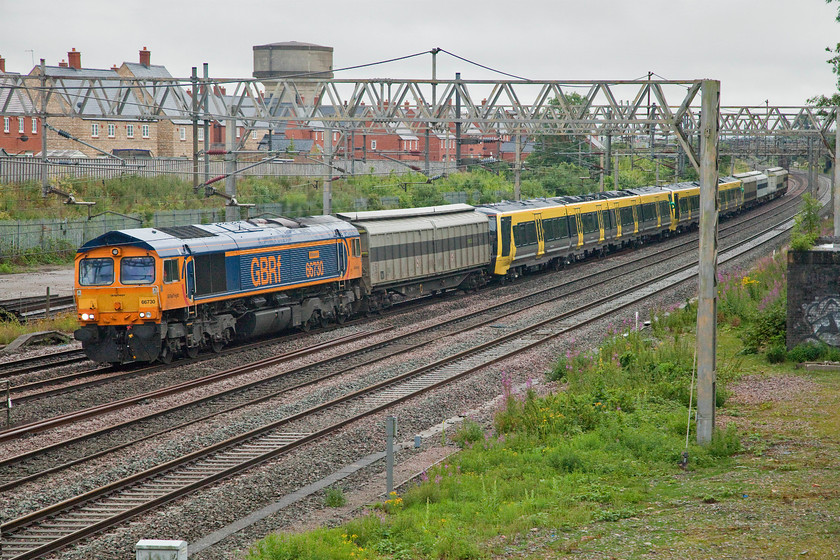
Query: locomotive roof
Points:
[224, 236]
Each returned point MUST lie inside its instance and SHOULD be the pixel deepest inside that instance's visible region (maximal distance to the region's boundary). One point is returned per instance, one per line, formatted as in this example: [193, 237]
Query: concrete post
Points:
[707, 300]
[148, 549]
[836, 185]
[390, 434]
[45, 187]
[457, 122]
[206, 123]
[615, 173]
[194, 111]
[426, 150]
[231, 212]
[328, 152]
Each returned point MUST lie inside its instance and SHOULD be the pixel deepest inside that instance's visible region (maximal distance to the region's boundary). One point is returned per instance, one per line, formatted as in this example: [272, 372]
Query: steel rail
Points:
[325, 364]
[217, 462]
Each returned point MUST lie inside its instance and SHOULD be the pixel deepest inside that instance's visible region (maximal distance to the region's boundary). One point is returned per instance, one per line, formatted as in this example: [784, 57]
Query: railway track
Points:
[25, 309]
[140, 492]
[272, 386]
[28, 392]
[20, 366]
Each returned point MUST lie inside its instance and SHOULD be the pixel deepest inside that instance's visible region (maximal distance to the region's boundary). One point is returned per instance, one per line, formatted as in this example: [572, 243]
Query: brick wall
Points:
[813, 297]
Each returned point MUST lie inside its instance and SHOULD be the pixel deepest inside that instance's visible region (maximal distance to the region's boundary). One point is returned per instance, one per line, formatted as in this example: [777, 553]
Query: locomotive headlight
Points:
[87, 317]
[142, 314]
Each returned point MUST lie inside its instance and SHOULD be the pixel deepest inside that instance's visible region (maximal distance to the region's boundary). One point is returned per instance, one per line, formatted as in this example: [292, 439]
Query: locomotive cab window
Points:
[96, 272]
[137, 270]
[357, 247]
[170, 271]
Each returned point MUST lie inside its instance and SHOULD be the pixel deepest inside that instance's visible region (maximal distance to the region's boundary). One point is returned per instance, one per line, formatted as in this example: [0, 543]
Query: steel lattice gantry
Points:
[503, 107]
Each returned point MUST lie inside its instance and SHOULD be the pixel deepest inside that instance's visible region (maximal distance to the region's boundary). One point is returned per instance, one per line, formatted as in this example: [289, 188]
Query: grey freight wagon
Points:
[417, 251]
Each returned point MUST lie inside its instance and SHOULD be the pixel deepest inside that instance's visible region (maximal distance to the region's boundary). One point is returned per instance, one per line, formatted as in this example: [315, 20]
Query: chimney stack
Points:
[146, 57]
[74, 59]
[63, 64]
[2, 65]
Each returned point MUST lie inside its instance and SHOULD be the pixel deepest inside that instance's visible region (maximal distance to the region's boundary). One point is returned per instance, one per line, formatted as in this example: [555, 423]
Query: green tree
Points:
[834, 62]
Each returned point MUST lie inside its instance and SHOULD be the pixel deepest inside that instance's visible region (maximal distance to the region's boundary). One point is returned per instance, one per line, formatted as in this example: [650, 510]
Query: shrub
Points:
[806, 352]
[335, 497]
[768, 327]
[470, 432]
[725, 443]
[777, 354]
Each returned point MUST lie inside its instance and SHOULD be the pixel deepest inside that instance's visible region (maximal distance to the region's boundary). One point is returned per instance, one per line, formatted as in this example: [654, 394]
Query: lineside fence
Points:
[18, 237]
[19, 169]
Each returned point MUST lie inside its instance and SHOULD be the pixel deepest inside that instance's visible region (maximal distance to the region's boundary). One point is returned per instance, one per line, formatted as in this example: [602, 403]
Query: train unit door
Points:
[540, 234]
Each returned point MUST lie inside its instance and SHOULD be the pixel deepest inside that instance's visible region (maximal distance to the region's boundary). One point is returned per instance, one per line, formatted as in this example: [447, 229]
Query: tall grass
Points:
[65, 322]
[581, 455]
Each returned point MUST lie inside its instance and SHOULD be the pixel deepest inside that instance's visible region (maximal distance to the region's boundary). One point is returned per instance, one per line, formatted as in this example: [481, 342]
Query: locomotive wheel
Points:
[165, 356]
[217, 346]
[323, 320]
[192, 352]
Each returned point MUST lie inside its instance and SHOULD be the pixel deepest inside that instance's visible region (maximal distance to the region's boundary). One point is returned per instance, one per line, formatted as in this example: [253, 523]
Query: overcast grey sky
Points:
[760, 49]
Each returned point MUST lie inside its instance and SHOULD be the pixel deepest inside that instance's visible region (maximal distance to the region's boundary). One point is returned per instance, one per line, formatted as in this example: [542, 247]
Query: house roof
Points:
[12, 101]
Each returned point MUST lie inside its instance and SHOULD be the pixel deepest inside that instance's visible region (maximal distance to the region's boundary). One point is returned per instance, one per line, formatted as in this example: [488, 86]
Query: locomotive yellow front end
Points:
[118, 304]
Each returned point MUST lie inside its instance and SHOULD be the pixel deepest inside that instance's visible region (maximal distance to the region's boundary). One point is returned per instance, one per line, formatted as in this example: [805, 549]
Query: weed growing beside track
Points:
[595, 468]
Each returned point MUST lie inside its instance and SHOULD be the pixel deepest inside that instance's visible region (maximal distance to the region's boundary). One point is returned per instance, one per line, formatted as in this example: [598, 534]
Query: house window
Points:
[335, 136]
[34, 125]
[201, 135]
[112, 130]
[183, 133]
[6, 124]
[94, 130]
[129, 131]
[238, 132]
[21, 126]
[254, 135]
[373, 144]
[145, 131]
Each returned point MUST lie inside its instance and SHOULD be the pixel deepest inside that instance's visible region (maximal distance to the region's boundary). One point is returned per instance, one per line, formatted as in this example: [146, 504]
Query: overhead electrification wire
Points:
[305, 74]
[485, 67]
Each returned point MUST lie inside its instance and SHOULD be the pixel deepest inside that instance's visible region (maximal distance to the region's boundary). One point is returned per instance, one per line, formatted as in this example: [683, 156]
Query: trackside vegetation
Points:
[610, 447]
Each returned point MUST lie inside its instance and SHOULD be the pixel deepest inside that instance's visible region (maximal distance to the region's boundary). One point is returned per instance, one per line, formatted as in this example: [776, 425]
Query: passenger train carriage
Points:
[156, 293]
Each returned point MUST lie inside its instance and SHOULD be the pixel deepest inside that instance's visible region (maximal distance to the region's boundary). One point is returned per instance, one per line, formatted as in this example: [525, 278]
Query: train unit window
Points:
[626, 215]
[525, 234]
[96, 272]
[170, 271]
[684, 205]
[648, 213]
[137, 270]
[554, 228]
[589, 222]
[694, 201]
